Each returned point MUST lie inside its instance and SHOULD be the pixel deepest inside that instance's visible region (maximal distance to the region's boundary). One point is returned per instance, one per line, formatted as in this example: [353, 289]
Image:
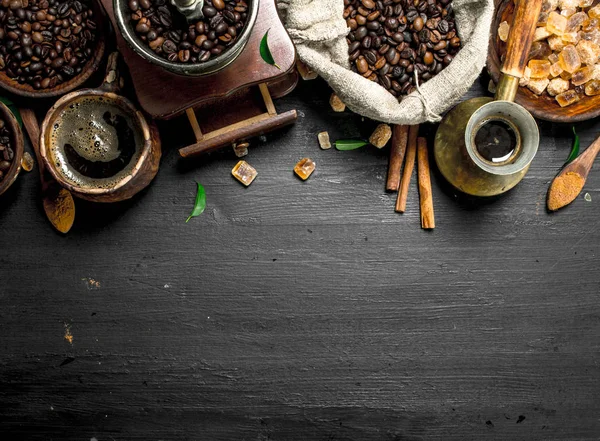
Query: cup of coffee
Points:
[97, 145]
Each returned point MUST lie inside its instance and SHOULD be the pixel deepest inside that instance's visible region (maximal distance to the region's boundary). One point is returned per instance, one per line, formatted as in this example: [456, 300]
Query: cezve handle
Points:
[517, 48]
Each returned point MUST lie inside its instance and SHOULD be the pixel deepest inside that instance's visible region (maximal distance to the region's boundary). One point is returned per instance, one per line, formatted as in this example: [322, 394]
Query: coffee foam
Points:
[81, 124]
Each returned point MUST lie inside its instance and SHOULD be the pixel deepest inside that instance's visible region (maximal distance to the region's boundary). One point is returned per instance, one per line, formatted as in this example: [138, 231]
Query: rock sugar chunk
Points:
[567, 98]
[541, 33]
[539, 68]
[304, 168]
[556, 23]
[569, 59]
[324, 141]
[381, 135]
[503, 30]
[557, 86]
[588, 51]
[592, 88]
[538, 85]
[582, 76]
[336, 103]
[244, 173]
[555, 70]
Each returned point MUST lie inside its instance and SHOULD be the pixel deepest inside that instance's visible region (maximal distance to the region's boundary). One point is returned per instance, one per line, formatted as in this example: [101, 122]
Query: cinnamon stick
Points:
[399, 140]
[425, 196]
[409, 166]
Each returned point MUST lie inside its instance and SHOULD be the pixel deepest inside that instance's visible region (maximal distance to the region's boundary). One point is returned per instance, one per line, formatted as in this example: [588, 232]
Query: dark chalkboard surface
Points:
[303, 310]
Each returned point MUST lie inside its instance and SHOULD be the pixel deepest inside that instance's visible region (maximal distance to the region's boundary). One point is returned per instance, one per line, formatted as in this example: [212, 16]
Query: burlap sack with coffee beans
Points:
[319, 32]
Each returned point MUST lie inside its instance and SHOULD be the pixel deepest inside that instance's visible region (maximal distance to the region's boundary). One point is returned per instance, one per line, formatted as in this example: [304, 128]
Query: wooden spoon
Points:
[58, 202]
[570, 181]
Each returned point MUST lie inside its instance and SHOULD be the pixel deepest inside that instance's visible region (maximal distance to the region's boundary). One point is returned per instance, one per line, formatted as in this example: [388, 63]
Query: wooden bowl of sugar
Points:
[542, 106]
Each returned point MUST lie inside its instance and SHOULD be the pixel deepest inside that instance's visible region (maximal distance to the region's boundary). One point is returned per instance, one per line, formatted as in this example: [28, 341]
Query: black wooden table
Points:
[303, 310]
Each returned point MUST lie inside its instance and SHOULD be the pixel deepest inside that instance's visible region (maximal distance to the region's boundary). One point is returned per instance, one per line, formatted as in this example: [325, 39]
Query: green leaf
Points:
[350, 144]
[200, 204]
[575, 150]
[13, 108]
[265, 52]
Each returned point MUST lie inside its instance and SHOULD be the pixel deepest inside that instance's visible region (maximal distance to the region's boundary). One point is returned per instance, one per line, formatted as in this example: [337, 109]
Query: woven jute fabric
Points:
[319, 31]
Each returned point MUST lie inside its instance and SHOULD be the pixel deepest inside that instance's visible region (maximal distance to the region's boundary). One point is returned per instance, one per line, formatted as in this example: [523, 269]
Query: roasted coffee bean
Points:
[392, 42]
[371, 57]
[196, 42]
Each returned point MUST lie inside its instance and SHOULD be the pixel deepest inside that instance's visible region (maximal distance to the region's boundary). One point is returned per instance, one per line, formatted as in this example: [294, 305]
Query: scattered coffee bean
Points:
[392, 40]
[34, 34]
[159, 25]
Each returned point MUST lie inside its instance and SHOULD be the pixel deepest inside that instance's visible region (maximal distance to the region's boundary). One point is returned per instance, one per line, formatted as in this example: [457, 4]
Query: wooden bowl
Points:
[16, 141]
[542, 106]
[90, 67]
[147, 164]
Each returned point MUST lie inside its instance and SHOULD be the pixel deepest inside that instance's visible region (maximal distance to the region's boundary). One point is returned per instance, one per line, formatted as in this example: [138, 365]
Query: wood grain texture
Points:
[520, 36]
[303, 310]
[165, 95]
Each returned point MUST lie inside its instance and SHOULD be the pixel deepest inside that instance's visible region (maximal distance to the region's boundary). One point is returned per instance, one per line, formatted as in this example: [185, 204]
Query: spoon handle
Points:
[33, 130]
[586, 159]
[518, 46]
[521, 36]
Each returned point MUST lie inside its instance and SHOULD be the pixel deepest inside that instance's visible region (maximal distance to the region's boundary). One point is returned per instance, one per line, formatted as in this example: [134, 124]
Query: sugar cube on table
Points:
[569, 59]
[539, 68]
[304, 168]
[538, 85]
[592, 88]
[567, 98]
[557, 86]
[582, 76]
[556, 23]
[588, 51]
[541, 33]
[568, 12]
[503, 30]
[244, 172]
[324, 141]
[585, 3]
[555, 70]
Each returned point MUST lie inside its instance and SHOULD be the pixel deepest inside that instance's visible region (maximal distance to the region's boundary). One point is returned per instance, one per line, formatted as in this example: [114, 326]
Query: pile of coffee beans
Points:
[390, 40]
[166, 32]
[45, 42]
[7, 154]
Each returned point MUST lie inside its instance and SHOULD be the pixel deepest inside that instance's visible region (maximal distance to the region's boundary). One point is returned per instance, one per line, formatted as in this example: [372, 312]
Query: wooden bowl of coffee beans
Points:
[158, 31]
[11, 148]
[49, 47]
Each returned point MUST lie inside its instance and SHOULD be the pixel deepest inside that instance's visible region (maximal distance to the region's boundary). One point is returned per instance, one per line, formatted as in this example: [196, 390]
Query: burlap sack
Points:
[319, 32]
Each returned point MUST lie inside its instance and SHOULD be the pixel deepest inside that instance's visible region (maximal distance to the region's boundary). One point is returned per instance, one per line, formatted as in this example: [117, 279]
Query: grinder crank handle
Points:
[518, 46]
